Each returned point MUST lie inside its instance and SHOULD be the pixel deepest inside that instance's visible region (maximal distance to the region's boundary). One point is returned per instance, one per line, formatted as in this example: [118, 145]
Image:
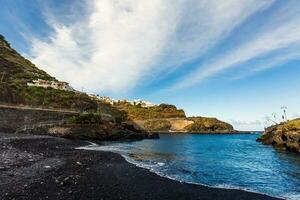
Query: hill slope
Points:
[137, 112]
[16, 72]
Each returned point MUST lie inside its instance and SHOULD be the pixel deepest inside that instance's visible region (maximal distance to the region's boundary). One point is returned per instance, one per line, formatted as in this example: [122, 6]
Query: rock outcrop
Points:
[185, 125]
[208, 125]
[285, 136]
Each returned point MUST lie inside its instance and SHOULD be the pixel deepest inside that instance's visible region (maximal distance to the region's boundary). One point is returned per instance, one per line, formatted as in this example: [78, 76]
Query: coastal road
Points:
[37, 109]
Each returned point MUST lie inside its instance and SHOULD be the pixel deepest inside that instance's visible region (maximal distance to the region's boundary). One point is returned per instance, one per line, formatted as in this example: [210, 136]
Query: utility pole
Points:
[284, 108]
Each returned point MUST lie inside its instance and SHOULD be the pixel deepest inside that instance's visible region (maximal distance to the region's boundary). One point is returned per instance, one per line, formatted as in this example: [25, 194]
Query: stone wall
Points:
[14, 118]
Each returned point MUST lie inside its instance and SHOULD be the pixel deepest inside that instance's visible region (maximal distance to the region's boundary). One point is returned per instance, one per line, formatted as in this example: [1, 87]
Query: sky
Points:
[235, 60]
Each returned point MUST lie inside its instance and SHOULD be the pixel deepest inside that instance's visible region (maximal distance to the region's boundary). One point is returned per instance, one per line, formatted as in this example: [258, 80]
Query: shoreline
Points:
[140, 165]
[198, 184]
[52, 168]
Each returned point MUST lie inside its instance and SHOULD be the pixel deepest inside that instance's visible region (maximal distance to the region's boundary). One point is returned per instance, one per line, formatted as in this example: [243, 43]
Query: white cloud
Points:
[275, 37]
[203, 24]
[255, 125]
[110, 50]
[276, 60]
[122, 43]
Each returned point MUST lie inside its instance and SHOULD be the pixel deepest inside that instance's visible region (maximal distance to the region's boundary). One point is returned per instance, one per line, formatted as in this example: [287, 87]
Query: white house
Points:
[59, 85]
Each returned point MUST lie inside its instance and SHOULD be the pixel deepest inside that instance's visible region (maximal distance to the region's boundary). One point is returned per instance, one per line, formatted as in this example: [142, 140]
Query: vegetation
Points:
[86, 118]
[291, 125]
[207, 124]
[137, 112]
[119, 115]
[16, 72]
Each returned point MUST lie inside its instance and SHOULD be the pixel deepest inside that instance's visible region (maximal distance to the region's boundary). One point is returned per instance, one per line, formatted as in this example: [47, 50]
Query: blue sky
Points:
[235, 60]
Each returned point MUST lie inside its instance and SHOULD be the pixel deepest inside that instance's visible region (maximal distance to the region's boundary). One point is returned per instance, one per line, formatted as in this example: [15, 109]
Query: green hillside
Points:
[16, 72]
[137, 112]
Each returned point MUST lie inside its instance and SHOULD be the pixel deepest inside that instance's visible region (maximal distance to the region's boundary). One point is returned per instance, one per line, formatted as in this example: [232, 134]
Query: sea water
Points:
[225, 161]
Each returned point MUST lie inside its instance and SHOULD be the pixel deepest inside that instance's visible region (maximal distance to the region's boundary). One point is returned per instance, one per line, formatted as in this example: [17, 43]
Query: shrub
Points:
[155, 112]
[86, 118]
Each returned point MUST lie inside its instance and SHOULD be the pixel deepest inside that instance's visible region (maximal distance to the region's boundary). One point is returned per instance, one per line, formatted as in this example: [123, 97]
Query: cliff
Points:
[137, 112]
[284, 136]
[185, 125]
[16, 72]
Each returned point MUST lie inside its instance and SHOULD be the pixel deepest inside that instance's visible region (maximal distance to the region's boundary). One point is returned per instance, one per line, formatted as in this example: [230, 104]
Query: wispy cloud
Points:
[275, 37]
[120, 44]
[204, 24]
[111, 49]
[276, 60]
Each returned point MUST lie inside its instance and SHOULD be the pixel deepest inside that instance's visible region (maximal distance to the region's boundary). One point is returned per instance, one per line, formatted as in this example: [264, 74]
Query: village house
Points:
[106, 99]
[59, 85]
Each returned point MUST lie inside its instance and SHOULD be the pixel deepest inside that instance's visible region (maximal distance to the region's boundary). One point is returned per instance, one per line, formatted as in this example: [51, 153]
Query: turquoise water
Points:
[226, 161]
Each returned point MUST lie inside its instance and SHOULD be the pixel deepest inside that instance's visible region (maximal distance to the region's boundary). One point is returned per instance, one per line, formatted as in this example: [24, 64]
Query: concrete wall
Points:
[14, 118]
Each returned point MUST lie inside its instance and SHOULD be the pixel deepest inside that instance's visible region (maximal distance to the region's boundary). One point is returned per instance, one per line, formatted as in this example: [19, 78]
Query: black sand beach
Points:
[42, 167]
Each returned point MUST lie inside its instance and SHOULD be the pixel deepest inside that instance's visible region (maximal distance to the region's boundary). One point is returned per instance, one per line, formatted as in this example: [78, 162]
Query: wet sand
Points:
[43, 167]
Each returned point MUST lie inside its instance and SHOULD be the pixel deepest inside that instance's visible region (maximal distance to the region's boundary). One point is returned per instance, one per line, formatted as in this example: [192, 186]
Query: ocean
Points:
[224, 161]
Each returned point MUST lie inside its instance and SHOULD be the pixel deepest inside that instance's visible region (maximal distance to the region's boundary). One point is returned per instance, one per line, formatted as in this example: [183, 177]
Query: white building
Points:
[115, 101]
[59, 85]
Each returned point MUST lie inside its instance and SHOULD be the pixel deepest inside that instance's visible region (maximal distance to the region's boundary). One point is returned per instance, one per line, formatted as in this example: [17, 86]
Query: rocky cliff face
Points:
[190, 125]
[168, 118]
[285, 136]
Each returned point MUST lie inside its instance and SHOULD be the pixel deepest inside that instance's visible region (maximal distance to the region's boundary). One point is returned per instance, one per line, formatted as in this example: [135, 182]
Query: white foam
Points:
[88, 147]
[291, 196]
